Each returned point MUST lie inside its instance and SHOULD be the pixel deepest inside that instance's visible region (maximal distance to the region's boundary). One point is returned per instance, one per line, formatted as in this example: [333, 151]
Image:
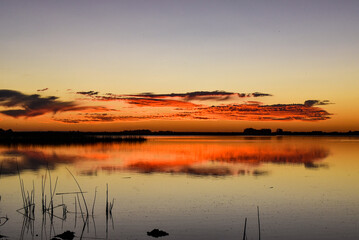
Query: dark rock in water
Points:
[156, 233]
[64, 236]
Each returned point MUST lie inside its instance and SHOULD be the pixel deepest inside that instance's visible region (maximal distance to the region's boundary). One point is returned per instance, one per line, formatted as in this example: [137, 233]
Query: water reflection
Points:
[207, 157]
[296, 196]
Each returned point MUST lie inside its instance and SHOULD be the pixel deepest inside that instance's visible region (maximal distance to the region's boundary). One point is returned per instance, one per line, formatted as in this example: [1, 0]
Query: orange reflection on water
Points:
[212, 156]
[222, 159]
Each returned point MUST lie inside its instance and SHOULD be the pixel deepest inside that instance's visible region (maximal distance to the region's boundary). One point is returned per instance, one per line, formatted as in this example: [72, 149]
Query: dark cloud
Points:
[184, 97]
[88, 93]
[311, 103]
[203, 95]
[42, 90]
[259, 94]
[35, 105]
[198, 95]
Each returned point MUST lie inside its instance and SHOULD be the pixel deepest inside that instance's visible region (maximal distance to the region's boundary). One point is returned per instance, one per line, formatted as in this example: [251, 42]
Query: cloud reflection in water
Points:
[198, 158]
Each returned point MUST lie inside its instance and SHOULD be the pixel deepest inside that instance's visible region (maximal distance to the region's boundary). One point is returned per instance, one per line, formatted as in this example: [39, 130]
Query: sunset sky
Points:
[179, 65]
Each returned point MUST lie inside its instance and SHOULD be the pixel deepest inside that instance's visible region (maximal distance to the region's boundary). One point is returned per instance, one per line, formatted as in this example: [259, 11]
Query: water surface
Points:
[191, 187]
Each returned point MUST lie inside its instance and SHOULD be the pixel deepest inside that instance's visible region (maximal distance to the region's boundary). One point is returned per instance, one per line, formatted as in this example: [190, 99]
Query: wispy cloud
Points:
[35, 105]
[42, 90]
[88, 93]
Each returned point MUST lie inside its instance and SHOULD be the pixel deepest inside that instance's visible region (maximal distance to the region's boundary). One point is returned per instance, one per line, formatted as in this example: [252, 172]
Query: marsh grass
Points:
[48, 206]
[80, 207]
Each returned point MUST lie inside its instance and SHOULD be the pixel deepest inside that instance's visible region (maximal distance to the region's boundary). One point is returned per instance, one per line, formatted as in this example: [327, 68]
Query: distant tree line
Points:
[134, 135]
[9, 137]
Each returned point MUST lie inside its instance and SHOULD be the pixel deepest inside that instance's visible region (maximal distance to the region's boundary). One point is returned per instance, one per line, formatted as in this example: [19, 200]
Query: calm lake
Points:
[190, 187]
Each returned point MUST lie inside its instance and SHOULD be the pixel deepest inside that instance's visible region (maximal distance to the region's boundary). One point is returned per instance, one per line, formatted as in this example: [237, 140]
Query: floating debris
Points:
[156, 233]
[64, 236]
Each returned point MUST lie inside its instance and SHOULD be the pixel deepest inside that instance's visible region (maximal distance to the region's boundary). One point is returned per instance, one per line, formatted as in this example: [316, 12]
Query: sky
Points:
[179, 65]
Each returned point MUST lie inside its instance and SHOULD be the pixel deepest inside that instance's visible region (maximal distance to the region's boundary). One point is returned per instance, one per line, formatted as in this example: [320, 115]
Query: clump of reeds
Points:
[49, 208]
[48, 205]
[109, 205]
[28, 199]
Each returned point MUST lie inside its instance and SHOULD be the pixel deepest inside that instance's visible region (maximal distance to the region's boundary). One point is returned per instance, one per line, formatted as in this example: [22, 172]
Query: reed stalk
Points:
[245, 228]
[109, 205]
[94, 201]
[259, 224]
[106, 199]
[78, 185]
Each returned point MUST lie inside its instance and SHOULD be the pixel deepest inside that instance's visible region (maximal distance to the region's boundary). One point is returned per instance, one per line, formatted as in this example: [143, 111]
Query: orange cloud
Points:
[256, 112]
[244, 112]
